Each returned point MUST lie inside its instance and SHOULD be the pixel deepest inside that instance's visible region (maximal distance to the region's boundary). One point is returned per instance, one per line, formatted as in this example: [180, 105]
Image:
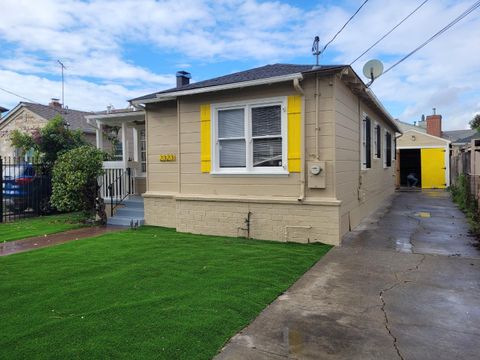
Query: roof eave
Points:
[238, 85]
[132, 114]
[361, 88]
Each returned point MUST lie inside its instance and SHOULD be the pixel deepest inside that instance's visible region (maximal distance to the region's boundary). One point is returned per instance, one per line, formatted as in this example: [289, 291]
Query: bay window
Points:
[250, 137]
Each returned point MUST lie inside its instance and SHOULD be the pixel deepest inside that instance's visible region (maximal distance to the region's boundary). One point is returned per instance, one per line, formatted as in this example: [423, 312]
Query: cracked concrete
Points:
[401, 287]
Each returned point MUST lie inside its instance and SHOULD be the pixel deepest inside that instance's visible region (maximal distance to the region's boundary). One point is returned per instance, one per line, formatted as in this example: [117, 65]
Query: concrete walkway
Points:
[13, 247]
[405, 285]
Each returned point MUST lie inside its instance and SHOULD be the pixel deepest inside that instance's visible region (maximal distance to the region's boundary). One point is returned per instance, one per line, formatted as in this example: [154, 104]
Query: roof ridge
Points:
[257, 73]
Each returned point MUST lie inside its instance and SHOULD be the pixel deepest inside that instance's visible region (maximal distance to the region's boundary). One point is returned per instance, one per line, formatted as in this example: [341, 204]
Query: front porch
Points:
[121, 134]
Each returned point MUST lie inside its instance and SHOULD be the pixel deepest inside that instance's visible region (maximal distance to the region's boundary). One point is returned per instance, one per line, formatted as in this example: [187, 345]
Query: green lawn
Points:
[146, 294]
[39, 226]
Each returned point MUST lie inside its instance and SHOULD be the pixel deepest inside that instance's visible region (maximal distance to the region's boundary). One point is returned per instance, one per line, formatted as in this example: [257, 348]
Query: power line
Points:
[343, 27]
[61, 111]
[437, 34]
[20, 96]
[389, 32]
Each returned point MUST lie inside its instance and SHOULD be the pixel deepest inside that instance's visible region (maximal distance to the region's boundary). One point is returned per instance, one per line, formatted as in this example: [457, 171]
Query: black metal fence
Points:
[26, 189]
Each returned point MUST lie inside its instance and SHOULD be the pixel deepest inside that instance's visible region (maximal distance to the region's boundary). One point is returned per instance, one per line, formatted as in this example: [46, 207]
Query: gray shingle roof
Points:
[75, 118]
[460, 136]
[263, 72]
[407, 126]
[2, 109]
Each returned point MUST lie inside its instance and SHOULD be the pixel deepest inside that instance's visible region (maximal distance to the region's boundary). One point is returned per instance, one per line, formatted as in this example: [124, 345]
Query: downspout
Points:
[360, 146]
[298, 88]
[178, 147]
[317, 118]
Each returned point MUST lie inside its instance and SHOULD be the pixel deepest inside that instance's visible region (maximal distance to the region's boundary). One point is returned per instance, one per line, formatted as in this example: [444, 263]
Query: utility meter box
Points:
[316, 174]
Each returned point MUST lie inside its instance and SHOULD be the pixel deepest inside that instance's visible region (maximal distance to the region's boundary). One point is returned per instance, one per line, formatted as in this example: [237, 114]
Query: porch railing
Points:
[116, 185]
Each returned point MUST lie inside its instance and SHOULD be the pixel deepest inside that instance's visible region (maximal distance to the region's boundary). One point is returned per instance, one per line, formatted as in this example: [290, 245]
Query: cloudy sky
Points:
[117, 50]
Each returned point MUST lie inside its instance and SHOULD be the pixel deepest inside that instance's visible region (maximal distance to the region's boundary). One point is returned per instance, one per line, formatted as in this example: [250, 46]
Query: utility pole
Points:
[63, 83]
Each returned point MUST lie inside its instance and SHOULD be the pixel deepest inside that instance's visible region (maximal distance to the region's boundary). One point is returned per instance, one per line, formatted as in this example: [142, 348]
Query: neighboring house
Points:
[281, 152]
[129, 151]
[460, 138]
[29, 117]
[426, 150]
[2, 110]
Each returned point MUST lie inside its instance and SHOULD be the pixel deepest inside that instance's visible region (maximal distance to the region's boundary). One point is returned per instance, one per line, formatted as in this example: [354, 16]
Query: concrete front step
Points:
[133, 203]
[130, 210]
[124, 221]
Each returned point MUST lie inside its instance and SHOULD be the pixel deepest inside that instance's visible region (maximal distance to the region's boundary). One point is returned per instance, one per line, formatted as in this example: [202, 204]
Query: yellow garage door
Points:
[433, 168]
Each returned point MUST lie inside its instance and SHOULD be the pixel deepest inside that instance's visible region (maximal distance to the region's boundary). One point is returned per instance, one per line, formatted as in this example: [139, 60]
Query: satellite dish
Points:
[373, 69]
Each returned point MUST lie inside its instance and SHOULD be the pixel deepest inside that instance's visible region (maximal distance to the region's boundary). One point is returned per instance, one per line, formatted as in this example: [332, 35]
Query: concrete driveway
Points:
[405, 285]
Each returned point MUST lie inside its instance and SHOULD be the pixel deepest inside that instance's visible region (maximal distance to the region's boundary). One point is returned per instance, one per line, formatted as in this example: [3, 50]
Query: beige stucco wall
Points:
[179, 195]
[270, 220]
[417, 139]
[361, 191]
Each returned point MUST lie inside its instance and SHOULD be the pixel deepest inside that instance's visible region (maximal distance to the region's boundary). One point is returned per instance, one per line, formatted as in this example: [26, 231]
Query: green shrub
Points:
[48, 142]
[459, 192]
[466, 202]
[74, 179]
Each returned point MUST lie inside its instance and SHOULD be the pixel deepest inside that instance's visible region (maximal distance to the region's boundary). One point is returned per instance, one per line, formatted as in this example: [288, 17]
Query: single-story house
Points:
[280, 152]
[29, 117]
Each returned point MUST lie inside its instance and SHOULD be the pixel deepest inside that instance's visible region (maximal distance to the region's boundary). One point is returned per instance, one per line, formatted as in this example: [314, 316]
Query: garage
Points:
[424, 158]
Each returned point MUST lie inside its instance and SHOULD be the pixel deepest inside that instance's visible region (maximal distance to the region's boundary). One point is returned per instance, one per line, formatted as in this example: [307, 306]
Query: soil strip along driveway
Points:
[12, 247]
[405, 285]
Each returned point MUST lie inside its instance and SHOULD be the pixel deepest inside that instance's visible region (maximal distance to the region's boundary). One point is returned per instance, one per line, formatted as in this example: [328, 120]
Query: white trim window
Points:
[250, 137]
[366, 148]
[143, 150]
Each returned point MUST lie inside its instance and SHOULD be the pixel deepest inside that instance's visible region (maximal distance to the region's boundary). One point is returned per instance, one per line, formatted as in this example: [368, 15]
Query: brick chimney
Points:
[434, 124]
[55, 103]
[183, 78]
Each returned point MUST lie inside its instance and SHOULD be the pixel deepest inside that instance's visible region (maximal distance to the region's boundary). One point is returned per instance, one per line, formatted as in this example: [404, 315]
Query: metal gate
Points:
[26, 189]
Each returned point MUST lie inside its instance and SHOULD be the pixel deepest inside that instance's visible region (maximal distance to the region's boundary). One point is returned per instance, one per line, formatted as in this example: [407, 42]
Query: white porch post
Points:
[124, 145]
[99, 136]
[135, 144]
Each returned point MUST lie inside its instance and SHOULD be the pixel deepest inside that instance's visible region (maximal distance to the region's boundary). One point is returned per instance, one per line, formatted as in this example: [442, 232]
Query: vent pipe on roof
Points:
[183, 78]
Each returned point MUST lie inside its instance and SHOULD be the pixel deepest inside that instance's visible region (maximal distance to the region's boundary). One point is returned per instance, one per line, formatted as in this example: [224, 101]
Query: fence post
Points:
[1, 189]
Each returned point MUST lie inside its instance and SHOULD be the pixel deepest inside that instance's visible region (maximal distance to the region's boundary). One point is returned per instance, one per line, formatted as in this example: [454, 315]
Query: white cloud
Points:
[79, 94]
[91, 38]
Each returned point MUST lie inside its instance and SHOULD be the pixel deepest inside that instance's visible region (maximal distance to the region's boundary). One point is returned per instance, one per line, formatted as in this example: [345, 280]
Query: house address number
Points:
[168, 157]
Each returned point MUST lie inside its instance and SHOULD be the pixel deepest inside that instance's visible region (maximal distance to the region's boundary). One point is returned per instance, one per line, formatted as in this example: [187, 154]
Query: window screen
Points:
[378, 136]
[367, 143]
[231, 138]
[267, 136]
[388, 138]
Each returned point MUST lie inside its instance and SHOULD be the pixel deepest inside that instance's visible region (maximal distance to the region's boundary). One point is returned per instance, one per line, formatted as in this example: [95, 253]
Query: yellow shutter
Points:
[294, 111]
[205, 137]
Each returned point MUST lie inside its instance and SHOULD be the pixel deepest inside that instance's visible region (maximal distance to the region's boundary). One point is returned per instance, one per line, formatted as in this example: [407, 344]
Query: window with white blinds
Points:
[250, 137]
[231, 138]
[267, 135]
